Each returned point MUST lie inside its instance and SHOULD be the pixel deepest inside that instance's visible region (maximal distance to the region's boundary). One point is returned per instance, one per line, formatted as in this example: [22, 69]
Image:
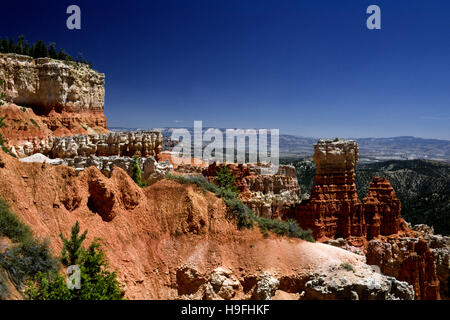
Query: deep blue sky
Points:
[310, 68]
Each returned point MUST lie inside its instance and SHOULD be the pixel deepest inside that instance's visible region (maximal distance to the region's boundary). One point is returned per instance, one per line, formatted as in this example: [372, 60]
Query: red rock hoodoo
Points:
[382, 209]
[334, 209]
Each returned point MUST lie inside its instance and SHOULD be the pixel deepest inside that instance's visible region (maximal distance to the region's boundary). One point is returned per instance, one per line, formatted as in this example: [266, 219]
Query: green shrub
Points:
[72, 250]
[347, 266]
[137, 173]
[35, 123]
[226, 180]
[97, 283]
[4, 293]
[27, 256]
[11, 226]
[25, 260]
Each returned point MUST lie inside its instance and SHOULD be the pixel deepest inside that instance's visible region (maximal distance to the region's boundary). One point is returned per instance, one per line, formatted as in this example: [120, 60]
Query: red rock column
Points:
[333, 209]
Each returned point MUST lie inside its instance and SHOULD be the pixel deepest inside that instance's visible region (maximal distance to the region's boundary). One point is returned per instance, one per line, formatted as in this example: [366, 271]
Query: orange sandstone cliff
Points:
[47, 97]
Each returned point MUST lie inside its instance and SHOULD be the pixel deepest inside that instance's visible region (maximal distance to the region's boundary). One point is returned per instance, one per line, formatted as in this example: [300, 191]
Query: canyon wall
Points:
[175, 241]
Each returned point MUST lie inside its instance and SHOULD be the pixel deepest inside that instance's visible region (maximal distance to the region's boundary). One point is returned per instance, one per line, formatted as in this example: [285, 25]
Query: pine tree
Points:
[52, 51]
[41, 50]
[71, 251]
[20, 44]
[97, 283]
[137, 173]
[26, 49]
[11, 46]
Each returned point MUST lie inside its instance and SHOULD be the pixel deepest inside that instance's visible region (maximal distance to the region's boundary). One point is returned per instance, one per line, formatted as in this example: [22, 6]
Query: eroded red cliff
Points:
[334, 211]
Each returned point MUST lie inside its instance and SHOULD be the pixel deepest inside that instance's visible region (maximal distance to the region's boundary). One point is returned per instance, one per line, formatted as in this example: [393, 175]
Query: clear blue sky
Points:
[310, 68]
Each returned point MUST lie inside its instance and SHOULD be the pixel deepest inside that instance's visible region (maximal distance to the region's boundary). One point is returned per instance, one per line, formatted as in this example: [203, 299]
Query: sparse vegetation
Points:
[3, 141]
[29, 264]
[11, 227]
[26, 257]
[347, 266]
[38, 50]
[4, 293]
[137, 173]
[245, 217]
[35, 123]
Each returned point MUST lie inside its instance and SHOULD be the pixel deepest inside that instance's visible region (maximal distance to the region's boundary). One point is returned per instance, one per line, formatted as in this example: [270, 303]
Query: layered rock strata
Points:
[46, 97]
[382, 209]
[265, 195]
[140, 143]
[49, 85]
[333, 209]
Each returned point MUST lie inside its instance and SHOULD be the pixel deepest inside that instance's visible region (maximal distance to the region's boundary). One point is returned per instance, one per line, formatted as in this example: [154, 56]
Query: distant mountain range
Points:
[370, 149]
[376, 149]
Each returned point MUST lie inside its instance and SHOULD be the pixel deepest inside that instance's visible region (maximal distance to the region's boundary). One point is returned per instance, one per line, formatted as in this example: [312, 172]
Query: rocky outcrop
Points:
[265, 195]
[152, 170]
[407, 259]
[336, 283]
[336, 286]
[382, 209]
[440, 247]
[46, 97]
[334, 210]
[49, 85]
[128, 144]
[139, 143]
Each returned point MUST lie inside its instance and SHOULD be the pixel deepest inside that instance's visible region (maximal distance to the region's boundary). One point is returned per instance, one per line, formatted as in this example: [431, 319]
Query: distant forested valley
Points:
[422, 186]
